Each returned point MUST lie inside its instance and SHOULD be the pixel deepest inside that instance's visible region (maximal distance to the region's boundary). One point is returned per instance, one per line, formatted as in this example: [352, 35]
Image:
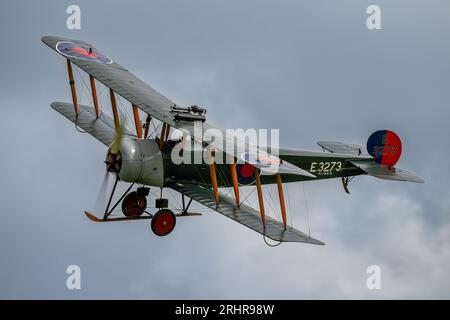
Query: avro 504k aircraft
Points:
[137, 157]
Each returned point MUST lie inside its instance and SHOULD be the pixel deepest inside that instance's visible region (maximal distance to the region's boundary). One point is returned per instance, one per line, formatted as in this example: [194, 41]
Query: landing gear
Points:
[163, 222]
[134, 204]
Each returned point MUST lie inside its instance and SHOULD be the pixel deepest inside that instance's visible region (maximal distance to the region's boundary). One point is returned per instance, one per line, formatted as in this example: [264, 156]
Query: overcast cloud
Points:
[310, 68]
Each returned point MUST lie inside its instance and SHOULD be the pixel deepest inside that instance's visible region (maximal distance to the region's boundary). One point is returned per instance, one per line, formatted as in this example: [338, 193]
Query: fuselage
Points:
[322, 165]
[143, 162]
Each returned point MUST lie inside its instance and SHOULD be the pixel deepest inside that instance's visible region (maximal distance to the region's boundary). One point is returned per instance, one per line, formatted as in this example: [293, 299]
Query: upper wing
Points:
[244, 214]
[385, 172]
[119, 79]
[116, 77]
[101, 128]
[343, 148]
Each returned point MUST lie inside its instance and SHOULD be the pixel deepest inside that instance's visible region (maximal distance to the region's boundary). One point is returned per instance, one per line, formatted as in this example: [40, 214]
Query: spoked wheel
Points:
[134, 204]
[163, 222]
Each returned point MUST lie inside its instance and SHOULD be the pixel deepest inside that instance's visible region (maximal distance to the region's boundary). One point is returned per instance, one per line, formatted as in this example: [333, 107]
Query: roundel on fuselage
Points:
[245, 173]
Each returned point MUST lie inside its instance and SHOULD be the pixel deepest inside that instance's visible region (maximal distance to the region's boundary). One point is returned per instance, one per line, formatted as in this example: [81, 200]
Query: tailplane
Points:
[378, 158]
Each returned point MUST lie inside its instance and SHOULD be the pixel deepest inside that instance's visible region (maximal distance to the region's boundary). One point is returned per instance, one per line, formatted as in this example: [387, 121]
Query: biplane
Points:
[144, 161]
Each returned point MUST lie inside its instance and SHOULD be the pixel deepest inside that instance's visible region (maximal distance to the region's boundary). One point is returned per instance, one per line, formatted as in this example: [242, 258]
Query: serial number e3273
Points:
[325, 168]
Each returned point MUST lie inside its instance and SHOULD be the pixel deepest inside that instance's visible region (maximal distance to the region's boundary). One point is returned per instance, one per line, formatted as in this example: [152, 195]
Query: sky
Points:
[311, 69]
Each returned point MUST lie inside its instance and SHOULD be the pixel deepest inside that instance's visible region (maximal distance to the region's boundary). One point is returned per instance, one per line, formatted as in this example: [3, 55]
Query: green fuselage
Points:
[322, 165]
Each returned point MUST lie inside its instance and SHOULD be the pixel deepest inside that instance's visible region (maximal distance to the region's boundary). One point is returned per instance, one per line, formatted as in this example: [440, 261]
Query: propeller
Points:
[113, 163]
[115, 146]
[100, 202]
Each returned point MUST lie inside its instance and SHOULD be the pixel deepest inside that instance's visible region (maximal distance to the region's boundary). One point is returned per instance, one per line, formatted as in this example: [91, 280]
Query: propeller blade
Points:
[115, 147]
[101, 196]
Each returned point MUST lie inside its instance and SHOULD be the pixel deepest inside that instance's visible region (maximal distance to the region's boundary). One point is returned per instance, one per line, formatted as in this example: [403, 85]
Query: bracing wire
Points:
[289, 204]
[81, 99]
[126, 117]
[306, 208]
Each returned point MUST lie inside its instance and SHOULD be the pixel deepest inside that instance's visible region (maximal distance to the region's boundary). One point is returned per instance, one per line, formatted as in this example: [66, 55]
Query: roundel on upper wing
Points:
[264, 160]
[385, 146]
[83, 52]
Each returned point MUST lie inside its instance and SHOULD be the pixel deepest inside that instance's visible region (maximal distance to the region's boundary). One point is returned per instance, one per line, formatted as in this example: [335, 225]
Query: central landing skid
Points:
[97, 219]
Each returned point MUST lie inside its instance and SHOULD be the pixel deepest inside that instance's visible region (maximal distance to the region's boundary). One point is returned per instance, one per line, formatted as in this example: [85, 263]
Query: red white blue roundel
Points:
[83, 52]
[385, 146]
[245, 173]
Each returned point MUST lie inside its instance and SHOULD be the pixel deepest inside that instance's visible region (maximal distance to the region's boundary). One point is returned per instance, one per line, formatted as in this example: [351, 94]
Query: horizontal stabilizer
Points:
[101, 128]
[343, 148]
[385, 172]
[244, 214]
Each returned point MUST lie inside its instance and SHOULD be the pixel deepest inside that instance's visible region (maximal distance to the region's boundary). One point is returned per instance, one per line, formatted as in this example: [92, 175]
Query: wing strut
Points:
[235, 181]
[94, 95]
[162, 136]
[147, 126]
[281, 195]
[137, 121]
[72, 86]
[212, 172]
[260, 197]
[114, 109]
[167, 132]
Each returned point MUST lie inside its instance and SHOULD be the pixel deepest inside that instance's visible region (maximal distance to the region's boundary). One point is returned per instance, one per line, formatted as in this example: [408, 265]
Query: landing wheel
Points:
[163, 222]
[134, 204]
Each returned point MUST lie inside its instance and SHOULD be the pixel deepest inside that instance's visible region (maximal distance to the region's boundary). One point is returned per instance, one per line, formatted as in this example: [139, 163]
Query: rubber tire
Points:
[158, 222]
[137, 210]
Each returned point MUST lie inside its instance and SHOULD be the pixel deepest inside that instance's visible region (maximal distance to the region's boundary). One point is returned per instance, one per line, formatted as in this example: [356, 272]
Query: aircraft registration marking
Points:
[325, 168]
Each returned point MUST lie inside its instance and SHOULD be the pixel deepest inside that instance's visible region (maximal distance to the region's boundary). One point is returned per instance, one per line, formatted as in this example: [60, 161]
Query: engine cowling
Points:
[138, 161]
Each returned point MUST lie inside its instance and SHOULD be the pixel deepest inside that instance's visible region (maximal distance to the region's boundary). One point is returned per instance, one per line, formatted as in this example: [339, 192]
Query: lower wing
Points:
[244, 214]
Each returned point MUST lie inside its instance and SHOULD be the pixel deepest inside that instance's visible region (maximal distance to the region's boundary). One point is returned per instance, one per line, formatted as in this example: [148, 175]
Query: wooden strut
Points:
[147, 126]
[114, 110]
[281, 195]
[167, 132]
[234, 178]
[137, 121]
[212, 172]
[72, 86]
[161, 138]
[260, 197]
[94, 95]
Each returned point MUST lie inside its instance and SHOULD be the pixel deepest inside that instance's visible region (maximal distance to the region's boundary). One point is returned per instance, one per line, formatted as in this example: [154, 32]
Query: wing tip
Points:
[47, 39]
[316, 242]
